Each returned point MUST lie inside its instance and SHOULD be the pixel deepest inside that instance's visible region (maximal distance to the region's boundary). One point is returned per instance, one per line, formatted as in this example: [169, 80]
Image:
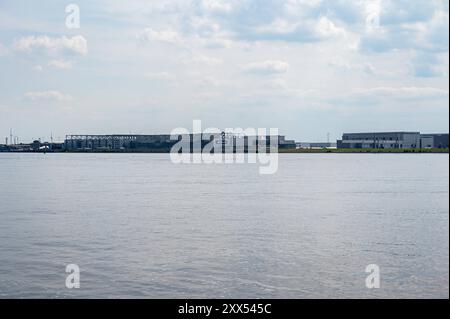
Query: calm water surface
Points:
[139, 226]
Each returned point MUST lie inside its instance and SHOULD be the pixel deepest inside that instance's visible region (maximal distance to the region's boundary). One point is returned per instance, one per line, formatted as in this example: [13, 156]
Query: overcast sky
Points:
[307, 67]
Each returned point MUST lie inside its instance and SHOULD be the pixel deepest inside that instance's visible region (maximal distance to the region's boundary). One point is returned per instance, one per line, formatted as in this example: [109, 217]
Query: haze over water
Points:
[139, 226]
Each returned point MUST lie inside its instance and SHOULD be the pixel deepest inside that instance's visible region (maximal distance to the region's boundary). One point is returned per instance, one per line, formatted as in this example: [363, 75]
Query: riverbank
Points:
[281, 151]
[365, 151]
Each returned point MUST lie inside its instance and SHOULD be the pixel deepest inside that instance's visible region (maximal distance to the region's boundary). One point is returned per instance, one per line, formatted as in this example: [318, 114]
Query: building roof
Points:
[395, 132]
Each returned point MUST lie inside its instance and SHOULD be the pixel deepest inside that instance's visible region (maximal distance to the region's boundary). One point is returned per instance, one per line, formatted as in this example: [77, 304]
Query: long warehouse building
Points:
[392, 140]
[149, 143]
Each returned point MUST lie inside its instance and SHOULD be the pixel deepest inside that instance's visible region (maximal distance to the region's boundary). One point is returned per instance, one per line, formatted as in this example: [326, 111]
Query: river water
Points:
[139, 226]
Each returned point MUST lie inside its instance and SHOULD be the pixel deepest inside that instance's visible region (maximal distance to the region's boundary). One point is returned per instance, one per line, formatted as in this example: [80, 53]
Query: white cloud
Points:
[208, 33]
[167, 36]
[75, 45]
[217, 5]
[205, 25]
[210, 81]
[216, 42]
[2, 49]
[207, 60]
[38, 68]
[326, 28]
[267, 67]
[279, 26]
[296, 30]
[277, 88]
[202, 59]
[378, 94]
[383, 99]
[422, 28]
[362, 68]
[61, 64]
[47, 95]
[162, 76]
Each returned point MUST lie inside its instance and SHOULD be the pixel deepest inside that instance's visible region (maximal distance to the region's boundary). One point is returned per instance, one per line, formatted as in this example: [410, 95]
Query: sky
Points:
[307, 67]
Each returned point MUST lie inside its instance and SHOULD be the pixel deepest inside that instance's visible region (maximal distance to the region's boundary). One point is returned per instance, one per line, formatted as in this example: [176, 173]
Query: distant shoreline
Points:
[280, 151]
[368, 151]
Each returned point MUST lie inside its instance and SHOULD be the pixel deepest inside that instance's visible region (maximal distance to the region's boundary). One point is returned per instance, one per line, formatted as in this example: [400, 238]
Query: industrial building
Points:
[148, 143]
[117, 142]
[434, 141]
[382, 140]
